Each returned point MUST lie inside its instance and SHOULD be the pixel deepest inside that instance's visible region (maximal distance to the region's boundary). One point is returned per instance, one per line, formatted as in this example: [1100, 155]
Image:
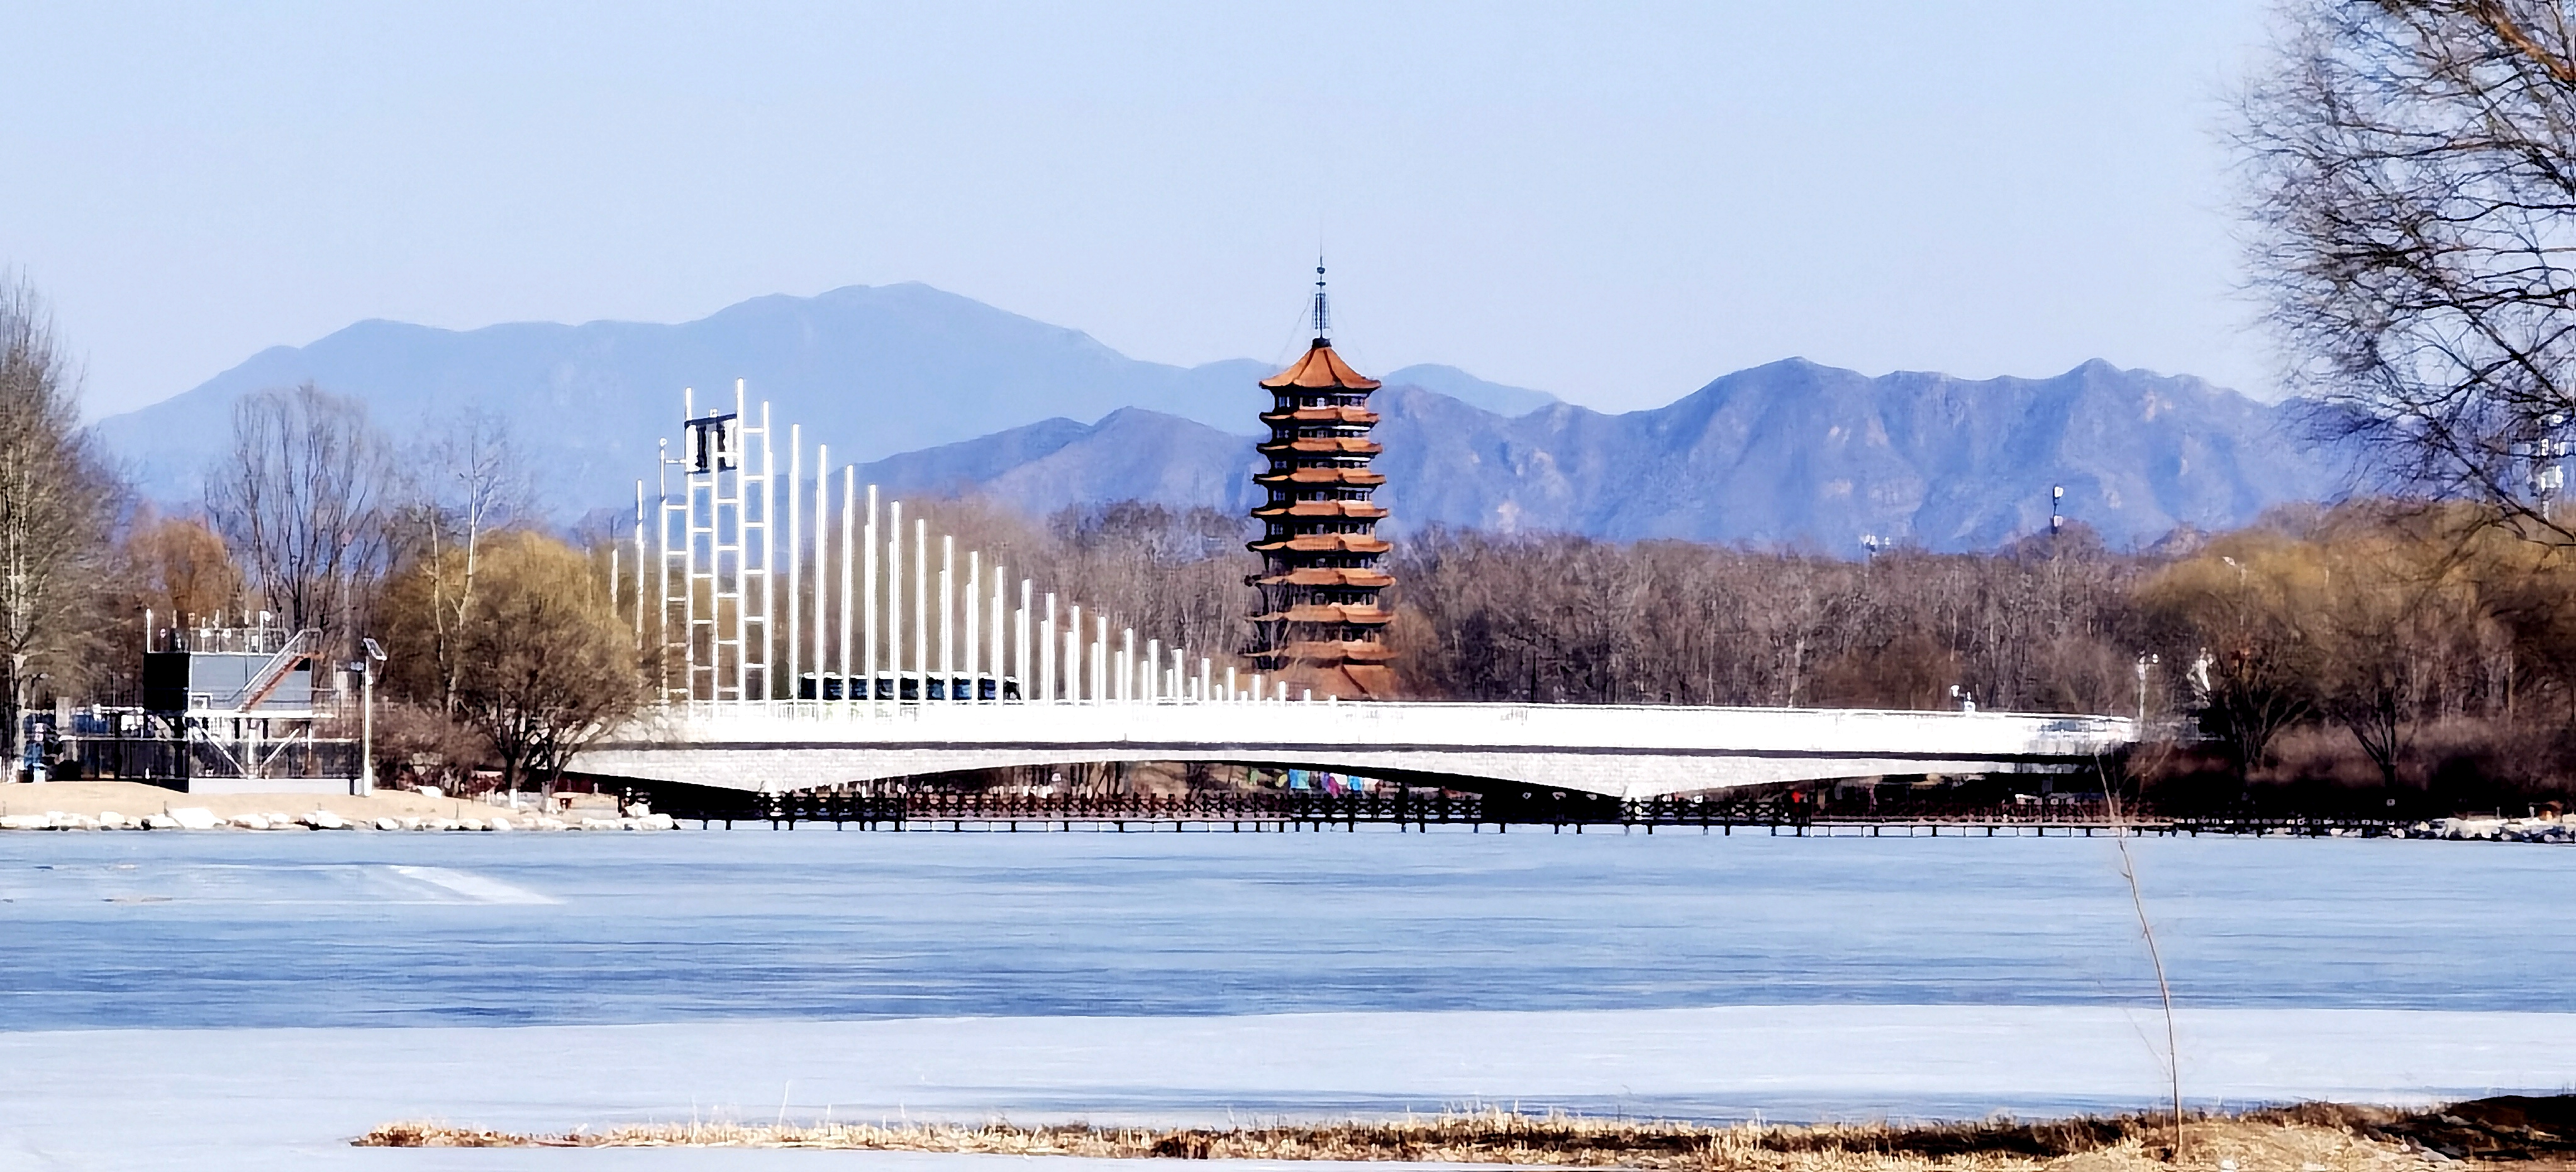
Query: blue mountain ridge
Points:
[939, 394]
[1792, 454]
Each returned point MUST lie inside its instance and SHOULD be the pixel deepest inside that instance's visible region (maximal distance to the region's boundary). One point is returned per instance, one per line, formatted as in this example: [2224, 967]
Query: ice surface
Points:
[235, 1098]
[241, 930]
[250, 1001]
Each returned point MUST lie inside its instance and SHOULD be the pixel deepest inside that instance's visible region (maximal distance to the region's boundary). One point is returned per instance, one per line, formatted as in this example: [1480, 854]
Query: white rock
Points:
[111, 820]
[475, 824]
[656, 822]
[638, 810]
[499, 823]
[391, 824]
[325, 820]
[160, 822]
[546, 823]
[602, 824]
[23, 822]
[195, 818]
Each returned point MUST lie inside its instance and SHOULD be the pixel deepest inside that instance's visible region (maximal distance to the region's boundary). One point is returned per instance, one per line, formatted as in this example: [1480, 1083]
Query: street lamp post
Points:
[2145, 661]
[367, 717]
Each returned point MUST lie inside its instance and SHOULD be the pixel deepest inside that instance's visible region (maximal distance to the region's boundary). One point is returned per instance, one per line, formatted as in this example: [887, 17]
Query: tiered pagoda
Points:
[1319, 626]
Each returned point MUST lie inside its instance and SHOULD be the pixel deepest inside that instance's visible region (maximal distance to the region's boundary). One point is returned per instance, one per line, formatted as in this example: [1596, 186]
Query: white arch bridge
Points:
[1613, 751]
[909, 661]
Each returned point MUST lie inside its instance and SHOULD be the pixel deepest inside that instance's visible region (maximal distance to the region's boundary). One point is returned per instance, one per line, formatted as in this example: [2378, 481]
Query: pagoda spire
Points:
[1323, 316]
[1319, 625]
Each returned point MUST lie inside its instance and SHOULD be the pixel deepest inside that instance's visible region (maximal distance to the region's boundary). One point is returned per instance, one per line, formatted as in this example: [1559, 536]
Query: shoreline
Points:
[2529, 1132]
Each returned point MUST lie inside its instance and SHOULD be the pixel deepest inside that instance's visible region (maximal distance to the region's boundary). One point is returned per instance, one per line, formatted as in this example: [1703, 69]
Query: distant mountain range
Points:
[873, 371]
[941, 395]
[1791, 454]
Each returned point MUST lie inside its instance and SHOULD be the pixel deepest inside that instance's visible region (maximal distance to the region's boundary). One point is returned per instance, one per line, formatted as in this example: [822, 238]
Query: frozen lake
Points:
[270, 995]
[233, 930]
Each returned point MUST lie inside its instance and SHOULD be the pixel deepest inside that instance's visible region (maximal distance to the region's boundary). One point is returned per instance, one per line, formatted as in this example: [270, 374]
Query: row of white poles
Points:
[979, 640]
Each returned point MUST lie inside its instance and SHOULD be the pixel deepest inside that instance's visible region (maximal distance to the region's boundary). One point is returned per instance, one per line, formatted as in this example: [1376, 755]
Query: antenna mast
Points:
[1323, 320]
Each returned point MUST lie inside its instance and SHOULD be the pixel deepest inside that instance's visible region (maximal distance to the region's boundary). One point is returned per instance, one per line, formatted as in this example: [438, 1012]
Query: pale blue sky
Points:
[1614, 203]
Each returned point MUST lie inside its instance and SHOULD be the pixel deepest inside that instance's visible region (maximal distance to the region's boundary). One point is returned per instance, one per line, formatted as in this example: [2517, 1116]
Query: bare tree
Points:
[2411, 182]
[57, 501]
[472, 479]
[541, 665]
[302, 501]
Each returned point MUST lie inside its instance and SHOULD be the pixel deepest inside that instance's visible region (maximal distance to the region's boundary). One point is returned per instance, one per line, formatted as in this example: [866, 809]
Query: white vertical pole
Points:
[868, 599]
[1073, 656]
[974, 586]
[921, 603]
[1152, 671]
[639, 563]
[795, 557]
[894, 595]
[822, 558]
[947, 631]
[1046, 653]
[999, 642]
[1127, 663]
[689, 555]
[1100, 658]
[1230, 694]
[1206, 678]
[768, 560]
[849, 521]
[1020, 650]
[741, 554]
[662, 571]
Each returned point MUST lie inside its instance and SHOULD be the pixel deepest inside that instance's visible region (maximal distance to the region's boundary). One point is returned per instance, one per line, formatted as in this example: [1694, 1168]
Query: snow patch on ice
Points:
[473, 887]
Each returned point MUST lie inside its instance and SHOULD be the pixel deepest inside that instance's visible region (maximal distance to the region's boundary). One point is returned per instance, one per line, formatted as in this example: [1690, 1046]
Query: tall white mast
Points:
[795, 559]
[921, 602]
[868, 599]
[1073, 678]
[639, 564]
[768, 560]
[849, 518]
[894, 594]
[974, 629]
[1046, 654]
[822, 561]
[947, 571]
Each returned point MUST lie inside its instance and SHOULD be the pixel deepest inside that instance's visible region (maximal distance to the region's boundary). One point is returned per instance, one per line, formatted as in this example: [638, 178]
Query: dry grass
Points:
[2314, 1141]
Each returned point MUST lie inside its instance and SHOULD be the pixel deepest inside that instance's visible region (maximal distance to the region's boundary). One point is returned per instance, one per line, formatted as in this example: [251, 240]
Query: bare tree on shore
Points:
[57, 503]
[2410, 178]
[302, 500]
[540, 667]
[470, 480]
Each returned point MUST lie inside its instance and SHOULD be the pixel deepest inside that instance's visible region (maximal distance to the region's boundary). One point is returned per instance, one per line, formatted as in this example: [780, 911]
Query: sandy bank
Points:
[135, 799]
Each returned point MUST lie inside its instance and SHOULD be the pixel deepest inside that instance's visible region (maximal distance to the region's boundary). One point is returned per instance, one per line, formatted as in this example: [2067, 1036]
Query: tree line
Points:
[2409, 648]
[2407, 183]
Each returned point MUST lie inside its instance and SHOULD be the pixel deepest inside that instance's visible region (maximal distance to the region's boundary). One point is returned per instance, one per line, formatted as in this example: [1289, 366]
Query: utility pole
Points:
[2145, 661]
[367, 715]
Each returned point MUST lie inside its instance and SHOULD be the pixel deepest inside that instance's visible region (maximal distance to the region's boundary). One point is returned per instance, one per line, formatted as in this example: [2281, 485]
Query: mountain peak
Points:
[942, 393]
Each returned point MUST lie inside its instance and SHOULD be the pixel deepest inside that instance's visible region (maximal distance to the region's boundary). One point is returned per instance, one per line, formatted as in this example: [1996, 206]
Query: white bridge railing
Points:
[1628, 750]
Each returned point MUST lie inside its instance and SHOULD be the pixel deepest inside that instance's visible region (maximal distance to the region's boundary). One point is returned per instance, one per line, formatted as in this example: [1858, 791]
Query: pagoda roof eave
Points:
[1319, 370]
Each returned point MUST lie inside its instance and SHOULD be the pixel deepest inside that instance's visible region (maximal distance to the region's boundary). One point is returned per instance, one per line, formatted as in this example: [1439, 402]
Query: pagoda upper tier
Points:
[1319, 625]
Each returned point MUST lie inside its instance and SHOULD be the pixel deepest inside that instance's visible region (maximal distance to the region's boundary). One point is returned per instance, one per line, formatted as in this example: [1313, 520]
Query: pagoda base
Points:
[1340, 681]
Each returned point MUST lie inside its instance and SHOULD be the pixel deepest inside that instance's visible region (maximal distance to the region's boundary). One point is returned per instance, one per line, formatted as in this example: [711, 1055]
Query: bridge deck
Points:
[1618, 751]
